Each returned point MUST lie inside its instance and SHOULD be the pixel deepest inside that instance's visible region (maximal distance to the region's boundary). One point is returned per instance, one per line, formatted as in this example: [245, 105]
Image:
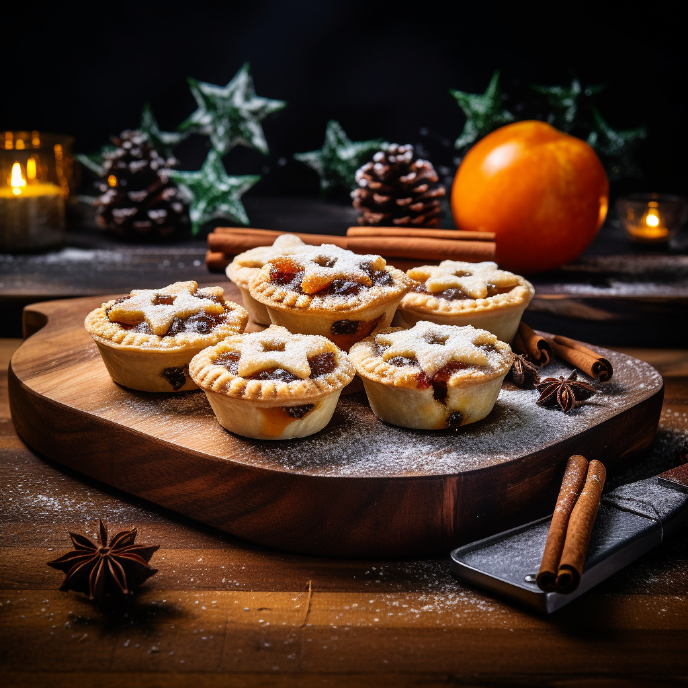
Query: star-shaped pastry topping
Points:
[434, 346]
[232, 114]
[257, 257]
[276, 347]
[483, 112]
[471, 278]
[322, 265]
[212, 193]
[339, 158]
[159, 307]
[162, 141]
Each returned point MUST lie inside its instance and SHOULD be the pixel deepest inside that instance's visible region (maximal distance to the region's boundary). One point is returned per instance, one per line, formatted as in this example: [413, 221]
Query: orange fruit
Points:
[542, 192]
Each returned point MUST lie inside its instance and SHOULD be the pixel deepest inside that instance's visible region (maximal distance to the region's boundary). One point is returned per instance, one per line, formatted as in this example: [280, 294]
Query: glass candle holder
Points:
[36, 173]
[651, 217]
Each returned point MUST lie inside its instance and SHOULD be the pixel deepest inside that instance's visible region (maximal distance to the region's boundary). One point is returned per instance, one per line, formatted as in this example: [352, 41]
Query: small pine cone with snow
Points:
[397, 189]
[137, 200]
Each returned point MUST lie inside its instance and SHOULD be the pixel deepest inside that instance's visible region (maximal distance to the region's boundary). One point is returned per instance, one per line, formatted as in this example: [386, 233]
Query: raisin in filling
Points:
[402, 361]
[440, 379]
[454, 419]
[299, 411]
[320, 364]
[345, 327]
[200, 323]
[176, 377]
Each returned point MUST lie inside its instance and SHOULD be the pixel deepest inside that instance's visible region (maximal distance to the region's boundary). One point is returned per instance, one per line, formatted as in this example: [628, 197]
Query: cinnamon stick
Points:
[574, 478]
[451, 234]
[530, 343]
[587, 360]
[235, 242]
[217, 261]
[579, 530]
[424, 249]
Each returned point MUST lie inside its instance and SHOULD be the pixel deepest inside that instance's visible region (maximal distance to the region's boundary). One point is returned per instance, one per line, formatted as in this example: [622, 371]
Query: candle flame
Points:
[17, 180]
[652, 219]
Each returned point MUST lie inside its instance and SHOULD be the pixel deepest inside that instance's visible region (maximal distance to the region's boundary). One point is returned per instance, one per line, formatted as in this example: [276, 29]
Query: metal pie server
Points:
[632, 520]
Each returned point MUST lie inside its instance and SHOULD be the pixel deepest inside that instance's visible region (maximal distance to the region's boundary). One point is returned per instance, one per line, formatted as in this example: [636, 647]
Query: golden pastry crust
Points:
[210, 301]
[322, 266]
[475, 280]
[274, 348]
[247, 264]
[432, 377]
[485, 357]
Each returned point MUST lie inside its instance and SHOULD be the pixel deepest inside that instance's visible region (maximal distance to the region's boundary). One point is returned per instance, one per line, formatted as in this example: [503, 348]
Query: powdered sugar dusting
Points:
[471, 278]
[434, 346]
[357, 444]
[184, 301]
[321, 265]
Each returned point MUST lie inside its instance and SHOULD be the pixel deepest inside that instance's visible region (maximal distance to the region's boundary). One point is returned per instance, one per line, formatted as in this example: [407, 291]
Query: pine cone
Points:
[137, 199]
[397, 188]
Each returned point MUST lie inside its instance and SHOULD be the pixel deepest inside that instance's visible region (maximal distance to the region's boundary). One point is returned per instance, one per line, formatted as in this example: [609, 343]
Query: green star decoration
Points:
[212, 193]
[618, 149]
[484, 113]
[162, 141]
[339, 158]
[232, 114]
[566, 102]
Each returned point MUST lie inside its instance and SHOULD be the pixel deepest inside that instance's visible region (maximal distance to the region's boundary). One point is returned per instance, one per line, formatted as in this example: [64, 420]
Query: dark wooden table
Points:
[224, 612]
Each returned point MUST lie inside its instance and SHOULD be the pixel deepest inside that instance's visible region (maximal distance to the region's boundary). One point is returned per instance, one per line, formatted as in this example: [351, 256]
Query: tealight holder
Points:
[651, 217]
[36, 172]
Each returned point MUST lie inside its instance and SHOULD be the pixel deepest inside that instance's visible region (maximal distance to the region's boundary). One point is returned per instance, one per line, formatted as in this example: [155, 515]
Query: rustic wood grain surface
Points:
[223, 612]
[330, 494]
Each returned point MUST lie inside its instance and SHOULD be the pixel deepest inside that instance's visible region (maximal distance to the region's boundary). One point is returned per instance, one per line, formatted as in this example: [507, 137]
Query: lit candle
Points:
[31, 211]
[649, 227]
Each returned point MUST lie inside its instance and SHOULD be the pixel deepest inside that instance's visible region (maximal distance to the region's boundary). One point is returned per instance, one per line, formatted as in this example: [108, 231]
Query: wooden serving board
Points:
[359, 488]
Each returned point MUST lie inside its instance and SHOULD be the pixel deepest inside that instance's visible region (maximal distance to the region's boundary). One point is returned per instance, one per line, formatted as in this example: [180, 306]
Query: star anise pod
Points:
[97, 570]
[523, 373]
[567, 393]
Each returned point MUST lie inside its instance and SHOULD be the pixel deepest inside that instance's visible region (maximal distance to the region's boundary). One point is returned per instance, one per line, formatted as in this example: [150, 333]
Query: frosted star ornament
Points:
[618, 149]
[162, 141]
[212, 193]
[339, 158]
[566, 102]
[484, 113]
[230, 115]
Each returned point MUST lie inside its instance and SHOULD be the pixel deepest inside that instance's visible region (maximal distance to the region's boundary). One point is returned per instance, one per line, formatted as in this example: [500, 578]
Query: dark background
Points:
[380, 69]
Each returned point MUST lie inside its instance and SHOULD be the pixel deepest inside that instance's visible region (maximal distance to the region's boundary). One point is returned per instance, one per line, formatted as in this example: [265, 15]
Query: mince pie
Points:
[272, 385]
[147, 339]
[458, 293]
[330, 291]
[247, 264]
[432, 376]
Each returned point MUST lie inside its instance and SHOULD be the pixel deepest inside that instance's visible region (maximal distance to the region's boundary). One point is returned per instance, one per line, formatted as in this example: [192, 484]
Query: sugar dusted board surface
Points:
[359, 487]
